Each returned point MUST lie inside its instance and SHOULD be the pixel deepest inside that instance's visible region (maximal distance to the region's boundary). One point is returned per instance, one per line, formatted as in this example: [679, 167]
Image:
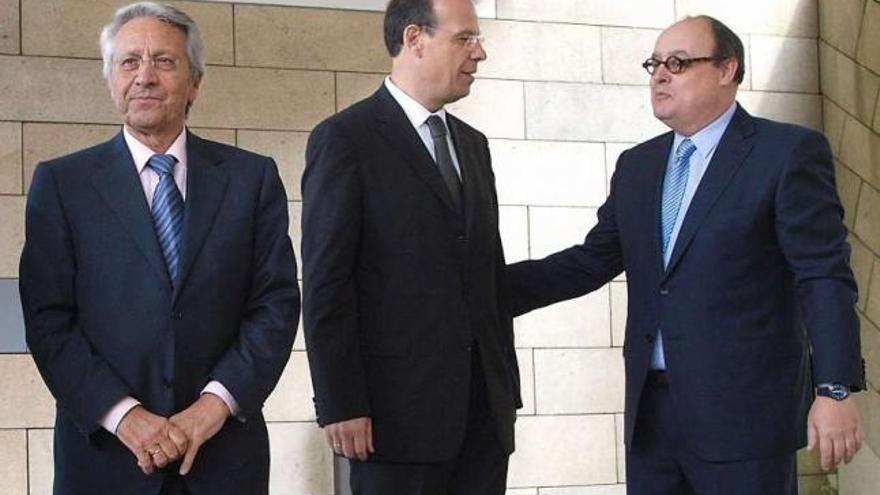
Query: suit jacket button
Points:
[664, 291]
[177, 315]
[649, 338]
[167, 382]
[468, 348]
[461, 237]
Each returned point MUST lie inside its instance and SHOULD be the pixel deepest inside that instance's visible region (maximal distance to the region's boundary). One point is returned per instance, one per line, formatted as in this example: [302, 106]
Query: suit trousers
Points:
[174, 484]
[660, 463]
[480, 468]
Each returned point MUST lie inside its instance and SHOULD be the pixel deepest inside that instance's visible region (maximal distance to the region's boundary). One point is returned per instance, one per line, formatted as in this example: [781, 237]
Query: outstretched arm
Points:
[571, 272]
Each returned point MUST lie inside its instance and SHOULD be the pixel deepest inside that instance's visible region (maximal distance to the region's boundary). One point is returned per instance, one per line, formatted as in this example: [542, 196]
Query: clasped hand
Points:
[157, 441]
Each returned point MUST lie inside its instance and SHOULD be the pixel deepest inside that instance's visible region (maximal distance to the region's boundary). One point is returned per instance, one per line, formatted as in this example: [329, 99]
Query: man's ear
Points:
[730, 66]
[412, 38]
[194, 92]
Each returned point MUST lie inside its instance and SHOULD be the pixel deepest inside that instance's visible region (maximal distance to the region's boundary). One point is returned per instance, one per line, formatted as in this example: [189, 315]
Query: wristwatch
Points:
[834, 391]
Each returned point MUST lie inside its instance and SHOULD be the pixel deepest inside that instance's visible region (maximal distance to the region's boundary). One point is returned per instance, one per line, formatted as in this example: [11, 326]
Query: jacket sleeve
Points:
[252, 366]
[82, 382]
[331, 223]
[574, 271]
[810, 229]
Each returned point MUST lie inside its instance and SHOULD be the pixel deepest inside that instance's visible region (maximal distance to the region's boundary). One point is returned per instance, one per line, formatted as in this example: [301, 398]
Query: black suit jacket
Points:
[103, 320]
[397, 284]
[758, 274]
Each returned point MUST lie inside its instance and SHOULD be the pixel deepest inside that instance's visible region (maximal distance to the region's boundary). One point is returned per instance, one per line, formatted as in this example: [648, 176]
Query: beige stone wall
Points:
[561, 95]
[849, 51]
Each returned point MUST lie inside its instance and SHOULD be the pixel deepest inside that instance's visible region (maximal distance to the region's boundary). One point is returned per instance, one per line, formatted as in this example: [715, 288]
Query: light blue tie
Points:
[167, 211]
[674, 185]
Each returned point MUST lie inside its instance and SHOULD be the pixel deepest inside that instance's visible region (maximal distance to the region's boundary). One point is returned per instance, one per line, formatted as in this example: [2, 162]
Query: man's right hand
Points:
[151, 438]
[351, 438]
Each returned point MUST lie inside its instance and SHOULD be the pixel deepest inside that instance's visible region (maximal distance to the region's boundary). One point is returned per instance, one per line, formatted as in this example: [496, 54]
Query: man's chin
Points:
[453, 97]
[661, 114]
[144, 124]
[141, 123]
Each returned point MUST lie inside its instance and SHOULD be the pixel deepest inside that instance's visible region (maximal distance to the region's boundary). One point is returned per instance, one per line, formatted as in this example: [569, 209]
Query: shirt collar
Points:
[140, 153]
[707, 138]
[415, 112]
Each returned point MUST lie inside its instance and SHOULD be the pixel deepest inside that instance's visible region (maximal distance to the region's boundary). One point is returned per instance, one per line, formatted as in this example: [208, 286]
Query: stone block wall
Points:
[561, 95]
[849, 55]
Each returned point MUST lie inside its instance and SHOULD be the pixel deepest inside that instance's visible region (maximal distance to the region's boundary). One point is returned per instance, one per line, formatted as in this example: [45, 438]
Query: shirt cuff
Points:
[217, 388]
[111, 420]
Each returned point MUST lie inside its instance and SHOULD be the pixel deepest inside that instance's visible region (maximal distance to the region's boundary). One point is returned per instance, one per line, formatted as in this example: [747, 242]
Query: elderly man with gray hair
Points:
[158, 284]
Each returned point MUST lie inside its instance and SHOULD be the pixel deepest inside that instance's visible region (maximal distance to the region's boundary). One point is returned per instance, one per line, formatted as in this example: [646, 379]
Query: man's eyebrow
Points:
[676, 53]
[467, 32]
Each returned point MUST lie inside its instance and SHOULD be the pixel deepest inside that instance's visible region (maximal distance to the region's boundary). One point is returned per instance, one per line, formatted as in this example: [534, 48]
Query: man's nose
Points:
[146, 73]
[478, 53]
[661, 74]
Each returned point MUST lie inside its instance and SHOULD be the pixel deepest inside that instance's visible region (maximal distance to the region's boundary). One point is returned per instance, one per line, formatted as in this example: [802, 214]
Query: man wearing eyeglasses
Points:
[407, 328]
[741, 299]
[158, 284]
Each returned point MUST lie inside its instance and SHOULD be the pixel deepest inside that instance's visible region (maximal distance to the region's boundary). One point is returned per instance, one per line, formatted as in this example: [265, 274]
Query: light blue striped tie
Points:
[167, 211]
[674, 185]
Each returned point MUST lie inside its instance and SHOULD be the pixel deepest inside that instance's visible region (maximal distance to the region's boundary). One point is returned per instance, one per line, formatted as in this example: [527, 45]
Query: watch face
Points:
[839, 393]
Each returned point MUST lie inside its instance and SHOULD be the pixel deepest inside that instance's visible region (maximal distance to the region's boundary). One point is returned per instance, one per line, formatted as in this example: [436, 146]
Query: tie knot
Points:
[685, 150]
[162, 164]
[437, 127]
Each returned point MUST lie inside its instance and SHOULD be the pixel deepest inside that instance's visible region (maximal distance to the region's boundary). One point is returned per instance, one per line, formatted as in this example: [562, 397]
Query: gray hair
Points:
[195, 49]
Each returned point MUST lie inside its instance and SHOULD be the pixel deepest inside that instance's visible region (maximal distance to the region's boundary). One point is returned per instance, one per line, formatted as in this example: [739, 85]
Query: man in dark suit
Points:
[729, 230]
[159, 285]
[409, 342]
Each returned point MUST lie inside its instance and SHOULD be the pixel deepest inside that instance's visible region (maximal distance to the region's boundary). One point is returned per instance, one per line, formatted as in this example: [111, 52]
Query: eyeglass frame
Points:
[468, 41]
[683, 63]
[157, 63]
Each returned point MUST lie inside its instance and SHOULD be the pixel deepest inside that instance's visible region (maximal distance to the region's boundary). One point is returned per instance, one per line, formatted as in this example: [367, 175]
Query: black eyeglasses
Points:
[675, 65]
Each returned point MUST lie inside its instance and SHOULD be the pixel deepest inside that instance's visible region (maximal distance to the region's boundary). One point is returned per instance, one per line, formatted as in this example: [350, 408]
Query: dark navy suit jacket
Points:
[103, 320]
[759, 275]
[398, 284]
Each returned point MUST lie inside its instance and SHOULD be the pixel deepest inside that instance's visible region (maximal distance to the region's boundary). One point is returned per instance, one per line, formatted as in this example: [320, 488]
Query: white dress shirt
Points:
[418, 117]
[140, 154]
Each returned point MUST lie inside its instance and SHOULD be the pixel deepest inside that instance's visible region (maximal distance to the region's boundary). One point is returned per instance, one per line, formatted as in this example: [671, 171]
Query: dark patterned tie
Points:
[167, 212]
[444, 159]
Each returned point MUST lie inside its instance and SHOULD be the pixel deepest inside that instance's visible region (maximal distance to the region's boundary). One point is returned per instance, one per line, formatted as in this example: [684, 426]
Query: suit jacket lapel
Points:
[402, 137]
[205, 188]
[659, 157]
[117, 182]
[732, 150]
[470, 164]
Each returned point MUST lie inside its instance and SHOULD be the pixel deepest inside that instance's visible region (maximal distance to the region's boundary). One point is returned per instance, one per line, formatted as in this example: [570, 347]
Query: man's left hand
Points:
[835, 427]
[200, 421]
